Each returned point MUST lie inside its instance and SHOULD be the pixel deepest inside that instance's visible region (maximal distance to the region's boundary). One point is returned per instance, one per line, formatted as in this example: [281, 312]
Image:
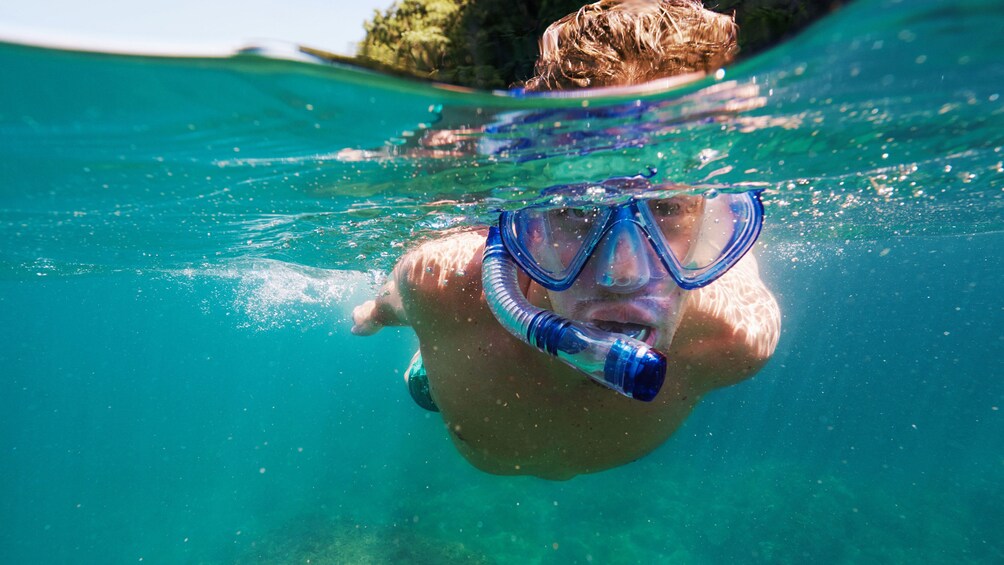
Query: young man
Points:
[667, 274]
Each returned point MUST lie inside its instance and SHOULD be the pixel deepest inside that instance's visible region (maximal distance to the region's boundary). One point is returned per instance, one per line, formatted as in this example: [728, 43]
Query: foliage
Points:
[763, 23]
[480, 43]
[493, 43]
[412, 35]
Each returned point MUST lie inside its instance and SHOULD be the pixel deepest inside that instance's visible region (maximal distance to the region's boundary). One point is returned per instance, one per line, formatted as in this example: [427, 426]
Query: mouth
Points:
[640, 332]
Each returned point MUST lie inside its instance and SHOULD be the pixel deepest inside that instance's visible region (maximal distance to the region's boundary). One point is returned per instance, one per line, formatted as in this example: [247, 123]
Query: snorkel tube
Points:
[616, 361]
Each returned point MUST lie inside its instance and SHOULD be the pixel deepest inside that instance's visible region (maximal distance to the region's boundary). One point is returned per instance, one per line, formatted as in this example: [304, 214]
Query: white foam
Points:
[268, 294]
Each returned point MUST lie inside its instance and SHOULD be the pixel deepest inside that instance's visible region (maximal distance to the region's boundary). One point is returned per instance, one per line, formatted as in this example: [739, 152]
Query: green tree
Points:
[493, 43]
[479, 43]
[764, 23]
[413, 35]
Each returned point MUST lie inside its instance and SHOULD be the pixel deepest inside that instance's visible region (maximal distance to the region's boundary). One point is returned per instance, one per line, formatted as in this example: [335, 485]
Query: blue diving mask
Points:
[697, 238]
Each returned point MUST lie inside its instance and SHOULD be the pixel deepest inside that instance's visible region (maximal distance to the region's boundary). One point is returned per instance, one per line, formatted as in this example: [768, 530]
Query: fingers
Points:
[363, 319]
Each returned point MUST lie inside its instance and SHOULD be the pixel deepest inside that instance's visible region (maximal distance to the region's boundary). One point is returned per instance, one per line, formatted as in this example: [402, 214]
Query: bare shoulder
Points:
[730, 329]
[743, 303]
[446, 270]
[436, 280]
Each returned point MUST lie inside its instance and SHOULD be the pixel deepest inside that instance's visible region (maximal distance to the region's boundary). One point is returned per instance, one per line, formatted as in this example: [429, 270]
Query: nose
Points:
[623, 259]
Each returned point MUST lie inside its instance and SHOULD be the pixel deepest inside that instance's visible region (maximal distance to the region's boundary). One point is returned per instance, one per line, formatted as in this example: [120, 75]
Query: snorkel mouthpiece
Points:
[616, 361]
[642, 369]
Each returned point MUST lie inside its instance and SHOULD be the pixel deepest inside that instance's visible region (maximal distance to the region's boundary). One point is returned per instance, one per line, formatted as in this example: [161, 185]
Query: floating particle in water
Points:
[708, 155]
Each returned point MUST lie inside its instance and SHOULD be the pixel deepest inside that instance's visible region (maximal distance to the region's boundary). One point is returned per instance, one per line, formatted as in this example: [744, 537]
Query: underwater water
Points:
[185, 238]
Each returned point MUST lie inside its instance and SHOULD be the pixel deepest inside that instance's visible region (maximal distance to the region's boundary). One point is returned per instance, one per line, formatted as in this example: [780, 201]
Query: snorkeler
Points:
[577, 334]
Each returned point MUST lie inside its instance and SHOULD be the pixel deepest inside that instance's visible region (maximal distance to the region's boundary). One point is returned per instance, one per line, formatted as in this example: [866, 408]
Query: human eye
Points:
[577, 213]
[665, 208]
[676, 217]
[683, 205]
[574, 221]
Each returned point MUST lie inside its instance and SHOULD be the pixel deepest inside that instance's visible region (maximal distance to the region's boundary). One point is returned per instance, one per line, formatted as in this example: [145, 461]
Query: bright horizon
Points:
[187, 25]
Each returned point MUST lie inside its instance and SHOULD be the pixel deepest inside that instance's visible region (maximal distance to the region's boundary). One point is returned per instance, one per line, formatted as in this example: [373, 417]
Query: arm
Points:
[731, 327]
[436, 273]
[385, 310]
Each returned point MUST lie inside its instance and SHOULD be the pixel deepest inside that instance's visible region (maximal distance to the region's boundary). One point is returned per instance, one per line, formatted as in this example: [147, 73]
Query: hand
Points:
[364, 320]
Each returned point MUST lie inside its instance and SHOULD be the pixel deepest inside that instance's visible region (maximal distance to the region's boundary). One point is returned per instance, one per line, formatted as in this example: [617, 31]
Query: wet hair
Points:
[623, 42]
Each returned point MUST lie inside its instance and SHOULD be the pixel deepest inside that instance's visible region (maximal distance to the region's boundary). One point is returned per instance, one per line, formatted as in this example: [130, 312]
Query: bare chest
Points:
[510, 409]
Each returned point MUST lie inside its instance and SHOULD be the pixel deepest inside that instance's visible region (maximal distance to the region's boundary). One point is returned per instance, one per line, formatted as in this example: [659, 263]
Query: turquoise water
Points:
[185, 239]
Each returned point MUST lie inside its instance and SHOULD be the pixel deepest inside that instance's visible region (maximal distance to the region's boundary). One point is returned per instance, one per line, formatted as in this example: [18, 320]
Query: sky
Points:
[187, 25]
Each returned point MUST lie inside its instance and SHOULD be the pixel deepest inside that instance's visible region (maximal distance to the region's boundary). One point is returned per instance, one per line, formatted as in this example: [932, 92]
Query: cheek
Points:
[563, 303]
[557, 300]
[565, 249]
[676, 305]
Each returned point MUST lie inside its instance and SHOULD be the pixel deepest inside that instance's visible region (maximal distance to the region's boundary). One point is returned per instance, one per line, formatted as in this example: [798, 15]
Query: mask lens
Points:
[678, 220]
[554, 237]
[726, 218]
[702, 232]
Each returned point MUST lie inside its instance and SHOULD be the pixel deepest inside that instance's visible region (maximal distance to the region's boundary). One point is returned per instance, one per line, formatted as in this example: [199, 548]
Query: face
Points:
[624, 287]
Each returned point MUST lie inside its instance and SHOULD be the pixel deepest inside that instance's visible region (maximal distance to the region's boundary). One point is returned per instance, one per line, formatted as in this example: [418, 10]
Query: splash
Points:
[268, 294]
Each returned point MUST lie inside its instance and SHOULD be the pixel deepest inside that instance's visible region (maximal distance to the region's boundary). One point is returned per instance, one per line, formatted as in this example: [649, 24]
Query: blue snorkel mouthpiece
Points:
[616, 361]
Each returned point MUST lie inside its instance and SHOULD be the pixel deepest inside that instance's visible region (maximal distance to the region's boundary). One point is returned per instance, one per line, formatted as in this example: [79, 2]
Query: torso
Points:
[511, 409]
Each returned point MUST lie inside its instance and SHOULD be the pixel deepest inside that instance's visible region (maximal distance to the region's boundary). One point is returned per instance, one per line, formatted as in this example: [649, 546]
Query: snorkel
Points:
[613, 360]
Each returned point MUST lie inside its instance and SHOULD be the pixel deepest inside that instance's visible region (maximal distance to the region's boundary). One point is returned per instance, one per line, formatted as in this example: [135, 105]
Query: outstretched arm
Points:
[435, 274]
[385, 310]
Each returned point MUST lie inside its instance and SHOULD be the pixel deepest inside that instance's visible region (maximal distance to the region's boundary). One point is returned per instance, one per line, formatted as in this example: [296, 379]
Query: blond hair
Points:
[623, 42]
